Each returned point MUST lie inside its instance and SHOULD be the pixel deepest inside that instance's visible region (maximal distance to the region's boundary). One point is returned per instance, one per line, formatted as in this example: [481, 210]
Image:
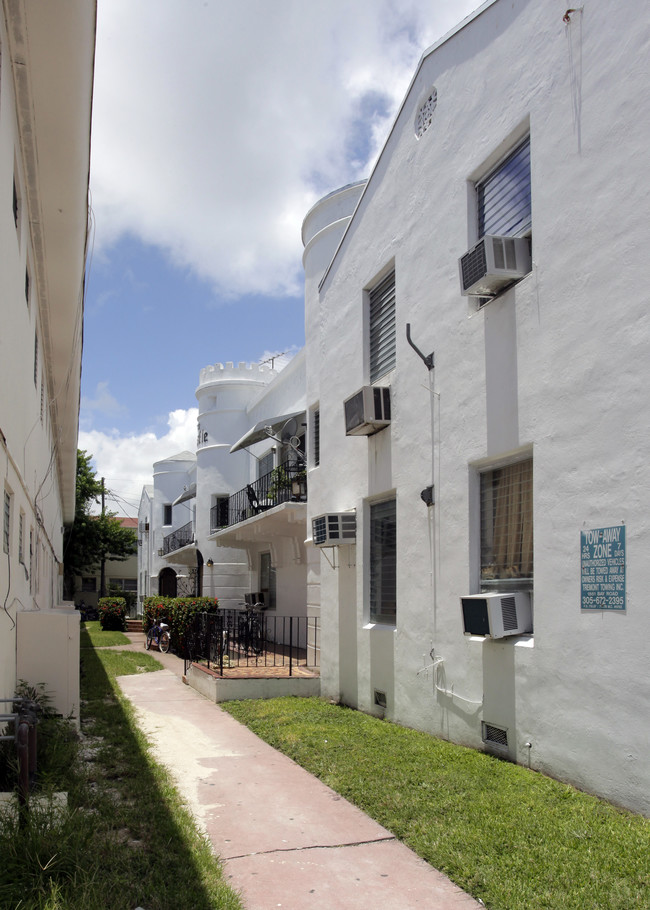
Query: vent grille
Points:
[504, 254]
[474, 265]
[496, 736]
[509, 613]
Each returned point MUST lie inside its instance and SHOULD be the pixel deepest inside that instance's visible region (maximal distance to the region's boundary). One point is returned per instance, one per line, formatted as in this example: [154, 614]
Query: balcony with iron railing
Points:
[182, 537]
[286, 483]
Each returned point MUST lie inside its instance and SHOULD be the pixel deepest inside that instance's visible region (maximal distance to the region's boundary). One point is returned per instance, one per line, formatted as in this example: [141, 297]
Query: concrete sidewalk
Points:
[285, 838]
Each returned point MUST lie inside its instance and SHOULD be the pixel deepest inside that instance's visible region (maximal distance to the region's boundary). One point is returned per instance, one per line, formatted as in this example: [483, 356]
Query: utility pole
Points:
[102, 577]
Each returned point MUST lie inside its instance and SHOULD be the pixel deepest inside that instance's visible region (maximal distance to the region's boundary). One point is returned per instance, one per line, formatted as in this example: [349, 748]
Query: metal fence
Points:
[234, 639]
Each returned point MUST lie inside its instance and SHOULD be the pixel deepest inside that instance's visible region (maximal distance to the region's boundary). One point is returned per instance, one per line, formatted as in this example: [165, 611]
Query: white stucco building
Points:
[212, 520]
[518, 463]
[46, 75]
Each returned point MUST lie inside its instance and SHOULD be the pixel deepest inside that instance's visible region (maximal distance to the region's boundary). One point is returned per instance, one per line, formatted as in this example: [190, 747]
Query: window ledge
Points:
[517, 641]
[385, 626]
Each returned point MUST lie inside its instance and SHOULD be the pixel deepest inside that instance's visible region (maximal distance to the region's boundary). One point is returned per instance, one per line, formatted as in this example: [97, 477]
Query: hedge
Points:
[112, 614]
[177, 612]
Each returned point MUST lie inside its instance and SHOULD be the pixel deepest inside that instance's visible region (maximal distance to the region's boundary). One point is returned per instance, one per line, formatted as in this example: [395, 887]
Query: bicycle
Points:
[159, 636]
[250, 629]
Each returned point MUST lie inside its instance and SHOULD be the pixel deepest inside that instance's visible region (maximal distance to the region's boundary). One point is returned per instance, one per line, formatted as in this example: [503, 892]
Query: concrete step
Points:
[134, 625]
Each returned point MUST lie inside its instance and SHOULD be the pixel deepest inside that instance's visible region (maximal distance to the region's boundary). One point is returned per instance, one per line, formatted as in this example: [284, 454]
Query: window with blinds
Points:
[507, 527]
[267, 581]
[383, 562]
[265, 464]
[315, 436]
[6, 527]
[504, 198]
[382, 327]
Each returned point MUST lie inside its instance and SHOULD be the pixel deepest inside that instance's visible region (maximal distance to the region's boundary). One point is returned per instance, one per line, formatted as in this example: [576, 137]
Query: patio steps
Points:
[134, 625]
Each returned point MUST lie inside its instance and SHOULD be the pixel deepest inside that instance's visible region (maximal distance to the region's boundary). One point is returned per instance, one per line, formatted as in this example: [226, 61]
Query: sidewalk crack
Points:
[357, 843]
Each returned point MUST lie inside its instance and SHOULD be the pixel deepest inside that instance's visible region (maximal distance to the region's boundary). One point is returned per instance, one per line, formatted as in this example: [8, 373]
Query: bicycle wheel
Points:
[163, 642]
[147, 643]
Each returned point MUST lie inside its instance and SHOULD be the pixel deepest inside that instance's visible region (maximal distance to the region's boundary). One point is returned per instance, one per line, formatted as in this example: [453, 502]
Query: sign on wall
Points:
[602, 563]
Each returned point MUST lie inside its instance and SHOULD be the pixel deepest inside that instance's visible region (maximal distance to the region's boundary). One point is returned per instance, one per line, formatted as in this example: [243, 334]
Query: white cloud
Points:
[126, 462]
[216, 125]
[103, 402]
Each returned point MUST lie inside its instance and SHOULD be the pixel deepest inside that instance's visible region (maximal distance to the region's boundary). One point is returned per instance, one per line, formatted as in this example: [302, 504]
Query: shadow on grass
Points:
[128, 841]
[93, 636]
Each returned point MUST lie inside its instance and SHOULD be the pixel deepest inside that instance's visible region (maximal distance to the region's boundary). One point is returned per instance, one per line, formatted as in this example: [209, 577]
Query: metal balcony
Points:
[286, 483]
[177, 539]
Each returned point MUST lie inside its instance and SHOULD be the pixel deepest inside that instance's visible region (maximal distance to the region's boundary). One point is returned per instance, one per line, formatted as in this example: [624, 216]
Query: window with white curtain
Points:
[507, 526]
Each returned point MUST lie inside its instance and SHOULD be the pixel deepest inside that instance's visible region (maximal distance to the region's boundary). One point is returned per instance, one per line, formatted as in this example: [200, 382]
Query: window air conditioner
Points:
[367, 411]
[497, 615]
[492, 264]
[334, 529]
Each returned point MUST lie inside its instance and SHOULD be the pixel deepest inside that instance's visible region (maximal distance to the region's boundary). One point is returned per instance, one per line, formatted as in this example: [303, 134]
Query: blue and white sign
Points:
[602, 563]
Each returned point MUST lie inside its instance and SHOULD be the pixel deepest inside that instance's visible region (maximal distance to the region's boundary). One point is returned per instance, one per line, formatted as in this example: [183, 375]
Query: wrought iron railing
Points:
[177, 539]
[286, 483]
[231, 639]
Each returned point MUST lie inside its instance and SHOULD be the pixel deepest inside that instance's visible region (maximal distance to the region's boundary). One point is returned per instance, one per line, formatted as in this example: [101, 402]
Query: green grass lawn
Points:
[127, 840]
[507, 835]
[93, 636]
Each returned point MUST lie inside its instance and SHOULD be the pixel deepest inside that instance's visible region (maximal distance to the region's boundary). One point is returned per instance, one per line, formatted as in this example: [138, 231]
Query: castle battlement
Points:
[229, 372]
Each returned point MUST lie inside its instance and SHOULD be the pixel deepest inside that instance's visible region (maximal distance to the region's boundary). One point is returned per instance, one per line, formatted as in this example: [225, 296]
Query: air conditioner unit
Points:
[497, 615]
[492, 264]
[367, 411]
[334, 529]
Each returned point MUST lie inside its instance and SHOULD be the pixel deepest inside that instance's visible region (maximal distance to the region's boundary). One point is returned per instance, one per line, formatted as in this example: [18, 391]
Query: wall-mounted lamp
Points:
[160, 552]
[210, 563]
[428, 496]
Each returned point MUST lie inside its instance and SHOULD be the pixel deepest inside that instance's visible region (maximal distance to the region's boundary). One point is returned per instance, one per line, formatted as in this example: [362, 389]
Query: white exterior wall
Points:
[283, 539]
[46, 71]
[323, 229]
[224, 394]
[554, 367]
[145, 548]
[171, 477]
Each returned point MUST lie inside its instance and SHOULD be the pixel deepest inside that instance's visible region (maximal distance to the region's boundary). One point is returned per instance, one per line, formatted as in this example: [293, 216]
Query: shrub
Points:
[177, 612]
[155, 609]
[129, 596]
[112, 614]
[183, 609]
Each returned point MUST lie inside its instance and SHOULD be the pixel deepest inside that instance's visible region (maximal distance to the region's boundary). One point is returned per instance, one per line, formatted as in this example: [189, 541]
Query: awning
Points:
[188, 493]
[269, 428]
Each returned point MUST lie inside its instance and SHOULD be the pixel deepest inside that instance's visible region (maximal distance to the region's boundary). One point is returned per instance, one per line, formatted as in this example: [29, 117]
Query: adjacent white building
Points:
[46, 75]
[509, 455]
[209, 525]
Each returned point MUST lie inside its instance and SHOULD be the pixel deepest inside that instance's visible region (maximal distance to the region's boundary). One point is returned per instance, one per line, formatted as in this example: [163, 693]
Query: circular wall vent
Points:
[424, 115]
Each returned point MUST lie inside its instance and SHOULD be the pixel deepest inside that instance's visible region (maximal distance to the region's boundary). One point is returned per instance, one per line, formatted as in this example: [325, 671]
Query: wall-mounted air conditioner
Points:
[367, 411]
[334, 529]
[492, 264]
[497, 615]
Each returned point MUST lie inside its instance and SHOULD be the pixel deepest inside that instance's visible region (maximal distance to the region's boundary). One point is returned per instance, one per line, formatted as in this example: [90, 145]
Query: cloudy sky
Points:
[216, 125]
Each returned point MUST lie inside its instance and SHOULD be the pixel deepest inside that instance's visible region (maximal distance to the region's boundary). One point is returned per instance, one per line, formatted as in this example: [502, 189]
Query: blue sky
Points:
[216, 125]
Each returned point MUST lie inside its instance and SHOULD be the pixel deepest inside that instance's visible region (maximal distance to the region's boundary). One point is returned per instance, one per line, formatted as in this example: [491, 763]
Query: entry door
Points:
[267, 580]
[167, 585]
